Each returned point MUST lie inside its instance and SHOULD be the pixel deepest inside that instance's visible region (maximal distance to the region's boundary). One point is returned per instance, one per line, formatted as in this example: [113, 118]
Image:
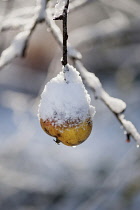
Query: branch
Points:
[21, 41]
[116, 106]
[14, 24]
[17, 19]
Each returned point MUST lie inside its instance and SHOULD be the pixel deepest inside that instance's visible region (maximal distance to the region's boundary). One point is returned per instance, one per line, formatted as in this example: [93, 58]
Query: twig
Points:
[116, 106]
[55, 30]
[63, 17]
[65, 34]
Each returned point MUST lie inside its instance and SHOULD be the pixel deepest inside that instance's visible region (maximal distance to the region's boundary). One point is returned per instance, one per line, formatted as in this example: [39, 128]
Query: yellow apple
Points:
[70, 133]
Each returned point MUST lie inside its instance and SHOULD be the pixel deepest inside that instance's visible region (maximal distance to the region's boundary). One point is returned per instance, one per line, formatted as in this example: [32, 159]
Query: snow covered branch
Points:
[13, 24]
[17, 48]
[116, 106]
[20, 43]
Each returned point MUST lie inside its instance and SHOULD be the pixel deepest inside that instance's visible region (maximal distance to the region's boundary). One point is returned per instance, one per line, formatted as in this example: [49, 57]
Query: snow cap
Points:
[65, 98]
[59, 7]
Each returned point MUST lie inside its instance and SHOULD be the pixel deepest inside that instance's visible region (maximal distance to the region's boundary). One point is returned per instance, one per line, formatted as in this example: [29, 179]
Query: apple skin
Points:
[71, 133]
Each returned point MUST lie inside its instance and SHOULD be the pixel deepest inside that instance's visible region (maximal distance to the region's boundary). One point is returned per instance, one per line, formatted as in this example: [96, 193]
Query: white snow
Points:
[20, 17]
[15, 48]
[40, 9]
[116, 105]
[24, 12]
[130, 128]
[74, 53]
[13, 23]
[59, 7]
[18, 44]
[65, 98]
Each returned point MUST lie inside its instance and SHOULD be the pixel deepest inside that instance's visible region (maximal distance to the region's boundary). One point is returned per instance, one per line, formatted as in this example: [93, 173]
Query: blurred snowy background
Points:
[103, 173]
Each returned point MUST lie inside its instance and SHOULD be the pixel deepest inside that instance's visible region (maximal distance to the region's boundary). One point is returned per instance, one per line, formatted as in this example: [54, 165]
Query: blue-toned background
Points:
[103, 173]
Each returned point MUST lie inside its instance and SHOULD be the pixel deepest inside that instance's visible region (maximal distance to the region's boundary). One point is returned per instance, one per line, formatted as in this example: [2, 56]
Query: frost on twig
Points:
[20, 43]
[116, 106]
[59, 9]
[130, 128]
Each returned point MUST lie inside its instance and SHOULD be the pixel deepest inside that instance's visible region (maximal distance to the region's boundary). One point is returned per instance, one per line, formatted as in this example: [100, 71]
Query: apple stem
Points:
[63, 17]
[65, 34]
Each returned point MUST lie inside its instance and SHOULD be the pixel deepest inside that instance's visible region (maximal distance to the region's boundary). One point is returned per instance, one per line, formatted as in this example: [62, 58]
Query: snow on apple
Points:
[65, 97]
[65, 105]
